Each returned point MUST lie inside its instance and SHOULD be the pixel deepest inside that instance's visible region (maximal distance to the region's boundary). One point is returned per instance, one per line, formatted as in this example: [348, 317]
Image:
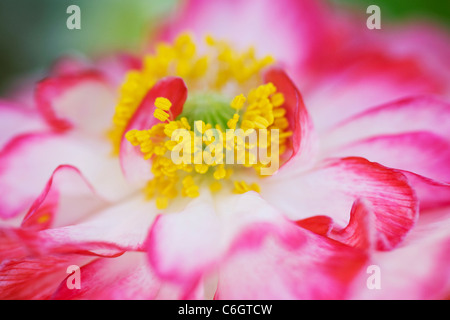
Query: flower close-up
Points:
[250, 149]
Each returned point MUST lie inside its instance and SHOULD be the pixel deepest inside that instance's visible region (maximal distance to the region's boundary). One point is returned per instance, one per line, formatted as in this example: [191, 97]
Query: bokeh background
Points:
[33, 33]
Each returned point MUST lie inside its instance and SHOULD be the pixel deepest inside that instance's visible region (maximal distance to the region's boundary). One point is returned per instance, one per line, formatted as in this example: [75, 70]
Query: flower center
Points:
[216, 137]
[208, 107]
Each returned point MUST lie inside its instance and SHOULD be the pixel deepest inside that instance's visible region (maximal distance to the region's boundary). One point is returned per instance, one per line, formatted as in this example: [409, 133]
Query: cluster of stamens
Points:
[205, 134]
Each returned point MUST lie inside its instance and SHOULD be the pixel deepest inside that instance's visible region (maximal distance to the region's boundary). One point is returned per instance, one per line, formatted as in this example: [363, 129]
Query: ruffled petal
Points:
[83, 100]
[15, 120]
[332, 188]
[66, 199]
[289, 263]
[419, 268]
[423, 153]
[127, 277]
[431, 194]
[124, 225]
[187, 246]
[28, 161]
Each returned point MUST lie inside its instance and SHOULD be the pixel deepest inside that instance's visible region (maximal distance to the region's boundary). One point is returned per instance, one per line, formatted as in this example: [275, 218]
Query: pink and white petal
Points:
[66, 199]
[332, 188]
[112, 67]
[373, 80]
[33, 265]
[134, 167]
[116, 67]
[16, 120]
[431, 194]
[424, 42]
[361, 229]
[84, 101]
[422, 153]
[18, 243]
[292, 31]
[124, 225]
[419, 268]
[128, 277]
[28, 161]
[185, 247]
[424, 113]
[32, 278]
[182, 246]
[359, 233]
[290, 263]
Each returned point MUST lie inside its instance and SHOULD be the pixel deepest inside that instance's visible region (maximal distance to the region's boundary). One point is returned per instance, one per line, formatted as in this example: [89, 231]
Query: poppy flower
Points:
[362, 177]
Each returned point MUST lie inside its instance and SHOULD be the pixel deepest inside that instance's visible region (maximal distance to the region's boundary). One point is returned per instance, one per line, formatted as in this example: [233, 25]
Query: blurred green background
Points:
[33, 32]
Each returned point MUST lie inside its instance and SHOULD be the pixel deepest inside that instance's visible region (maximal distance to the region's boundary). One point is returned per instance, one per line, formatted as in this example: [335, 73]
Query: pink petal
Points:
[134, 167]
[320, 225]
[183, 247]
[27, 162]
[127, 277]
[292, 31]
[364, 80]
[359, 233]
[32, 278]
[291, 263]
[32, 266]
[419, 268]
[83, 100]
[407, 115]
[66, 199]
[361, 229]
[124, 225]
[332, 188]
[422, 153]
[15, 120]
[424, 42]
[431, 194]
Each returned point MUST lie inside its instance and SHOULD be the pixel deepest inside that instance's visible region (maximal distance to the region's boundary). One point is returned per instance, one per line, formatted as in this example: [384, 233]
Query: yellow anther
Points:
[162, 202]
[241, 187]
[163, 103]
[277, 99]
[238, 102]
[279, 112]
[200, 126]
[247, 124]
[220, 172]
[131, 137]
[190, 189]
[261, 123]
[201, 168]
[233, 122]
[161, 115]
